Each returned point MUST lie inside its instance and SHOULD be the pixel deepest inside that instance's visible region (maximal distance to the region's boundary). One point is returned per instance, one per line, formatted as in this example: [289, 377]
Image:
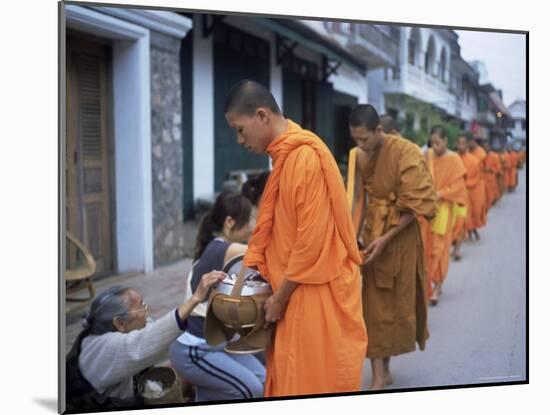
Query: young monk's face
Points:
[253, 131]
[472, 145]
[462, 145]
[439, 144]
[366, 140]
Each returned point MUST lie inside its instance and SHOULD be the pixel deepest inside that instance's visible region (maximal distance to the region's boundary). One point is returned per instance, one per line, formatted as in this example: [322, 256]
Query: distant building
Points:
[518, 123]
[481, 69]
[429, 83]
[493, 117]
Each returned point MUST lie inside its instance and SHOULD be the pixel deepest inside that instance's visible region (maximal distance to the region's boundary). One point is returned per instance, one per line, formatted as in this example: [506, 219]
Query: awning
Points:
[310, 39]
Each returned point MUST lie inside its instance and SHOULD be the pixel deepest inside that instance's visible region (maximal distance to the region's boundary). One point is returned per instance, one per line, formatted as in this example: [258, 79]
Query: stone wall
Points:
[167, 151]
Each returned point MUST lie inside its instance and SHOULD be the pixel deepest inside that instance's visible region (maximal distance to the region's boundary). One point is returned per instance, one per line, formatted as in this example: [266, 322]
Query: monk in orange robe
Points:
[448, 174]
[507, 165]
[513, 168]
[390, 174]
[501, 177]
[478, 199]
[304, 244]
[391, 127]
[521, 158]
[492, 170]
[472, 179]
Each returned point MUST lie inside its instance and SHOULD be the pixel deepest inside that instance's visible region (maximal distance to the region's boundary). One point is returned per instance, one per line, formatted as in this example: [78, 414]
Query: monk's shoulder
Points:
[362, 158]
[453, 157]
[404, 148]
[456, 161]
[303, 154]
[303, 159]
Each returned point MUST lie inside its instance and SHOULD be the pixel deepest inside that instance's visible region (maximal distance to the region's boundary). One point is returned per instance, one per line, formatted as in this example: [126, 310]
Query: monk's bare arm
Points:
[287, 288]
[404, 219]
[276, 304]
[359, 200]
[376, 247]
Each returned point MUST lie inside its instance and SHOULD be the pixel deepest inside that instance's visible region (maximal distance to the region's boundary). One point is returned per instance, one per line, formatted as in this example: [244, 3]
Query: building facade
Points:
[428, 85]
[147, 139]
[123, 138]
[518, 121]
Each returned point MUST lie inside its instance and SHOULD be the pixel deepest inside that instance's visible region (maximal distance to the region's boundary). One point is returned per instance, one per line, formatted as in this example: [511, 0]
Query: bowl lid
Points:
[254, 283]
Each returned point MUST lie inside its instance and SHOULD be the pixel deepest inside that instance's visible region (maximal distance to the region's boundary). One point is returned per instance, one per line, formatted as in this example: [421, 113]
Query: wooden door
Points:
[88, 204]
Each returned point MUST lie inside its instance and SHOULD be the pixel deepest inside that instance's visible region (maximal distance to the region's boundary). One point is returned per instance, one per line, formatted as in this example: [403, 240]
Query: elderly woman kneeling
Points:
[117, 344]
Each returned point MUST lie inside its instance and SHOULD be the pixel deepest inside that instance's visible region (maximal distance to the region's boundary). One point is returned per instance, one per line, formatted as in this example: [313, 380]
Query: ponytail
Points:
[227, 204]
[205, 234]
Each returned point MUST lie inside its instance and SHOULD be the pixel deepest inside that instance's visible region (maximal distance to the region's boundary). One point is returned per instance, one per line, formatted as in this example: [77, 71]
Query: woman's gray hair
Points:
[108, 304]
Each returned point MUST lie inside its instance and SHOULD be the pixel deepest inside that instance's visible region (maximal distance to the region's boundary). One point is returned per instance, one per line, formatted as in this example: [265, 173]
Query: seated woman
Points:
[117, 343]
[216, 374]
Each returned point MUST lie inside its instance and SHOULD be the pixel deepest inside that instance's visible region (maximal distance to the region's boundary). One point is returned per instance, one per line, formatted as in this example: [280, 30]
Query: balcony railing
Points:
[376, 45]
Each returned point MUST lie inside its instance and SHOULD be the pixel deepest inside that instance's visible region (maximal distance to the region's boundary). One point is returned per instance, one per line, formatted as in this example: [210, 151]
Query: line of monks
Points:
[352, 280]
[409, 206]
[471, 180]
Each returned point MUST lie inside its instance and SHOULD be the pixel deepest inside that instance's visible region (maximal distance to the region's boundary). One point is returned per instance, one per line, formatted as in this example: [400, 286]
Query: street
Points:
[477, 331]
[478, 328]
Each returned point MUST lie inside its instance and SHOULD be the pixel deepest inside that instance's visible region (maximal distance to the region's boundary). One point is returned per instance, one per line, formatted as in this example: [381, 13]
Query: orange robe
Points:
[472, 178]
[394, 284]
[478, 198]
[492, 170]
[501, 178]
[521, 159]
[507, 164]
[513, 169]
[448, 173]
[304, 233]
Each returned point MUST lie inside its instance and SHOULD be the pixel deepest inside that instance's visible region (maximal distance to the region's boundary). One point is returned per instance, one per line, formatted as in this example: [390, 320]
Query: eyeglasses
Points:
[144, 307]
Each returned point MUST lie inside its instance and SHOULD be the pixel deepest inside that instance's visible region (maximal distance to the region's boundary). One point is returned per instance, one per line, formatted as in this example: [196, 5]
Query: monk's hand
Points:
[207, 281]
[374, 250]
[274, 309]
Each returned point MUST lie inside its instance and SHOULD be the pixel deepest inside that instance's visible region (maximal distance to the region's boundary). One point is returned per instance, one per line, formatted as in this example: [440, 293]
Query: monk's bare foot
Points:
[434, 299]
[376, 386]
[476, 235]
[388, 379]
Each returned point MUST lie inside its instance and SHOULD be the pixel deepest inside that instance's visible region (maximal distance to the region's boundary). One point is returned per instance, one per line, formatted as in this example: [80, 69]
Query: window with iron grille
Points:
[241, 42]
[412, 51]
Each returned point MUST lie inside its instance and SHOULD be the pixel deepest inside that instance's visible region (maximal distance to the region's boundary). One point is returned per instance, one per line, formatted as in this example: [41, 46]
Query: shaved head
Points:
[247, 96]
[364, 115]
[365, 129]
[388, 124]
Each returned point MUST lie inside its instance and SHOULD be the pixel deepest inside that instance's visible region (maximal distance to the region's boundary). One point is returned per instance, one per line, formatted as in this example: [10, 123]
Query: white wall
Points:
[203, 113]
[376, 89]
[350, 82]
